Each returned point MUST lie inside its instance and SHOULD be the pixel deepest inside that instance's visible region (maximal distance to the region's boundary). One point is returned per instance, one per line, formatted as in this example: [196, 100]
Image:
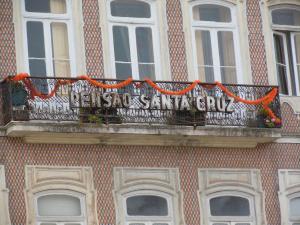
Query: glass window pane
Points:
[280, 64]
[144, 44]
[210, 12]
[227, 57]
[60, 50]
[147, 205]
[48, 224]
[37, 67]
[295, 207]
[229, 206]
[35, 39]
[286, 17]
[46, 6]
[121, 44]
[130, 8]
[147, 71]
[123, 70]
[204, 55]
[58, 205]
[279, 49]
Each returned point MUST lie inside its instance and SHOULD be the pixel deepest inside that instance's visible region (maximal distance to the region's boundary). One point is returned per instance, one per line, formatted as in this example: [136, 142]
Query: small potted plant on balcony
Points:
[19, 102]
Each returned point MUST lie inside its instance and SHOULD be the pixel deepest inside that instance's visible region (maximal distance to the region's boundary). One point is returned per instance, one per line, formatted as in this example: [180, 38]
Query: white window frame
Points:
[293, 31]
[77, 181]
[163, 182]
[214, 28]
[149, 220]
[243, 183]
[231, 220]
[131, 23]
[47, 19]
[62, 220]
[289, 188]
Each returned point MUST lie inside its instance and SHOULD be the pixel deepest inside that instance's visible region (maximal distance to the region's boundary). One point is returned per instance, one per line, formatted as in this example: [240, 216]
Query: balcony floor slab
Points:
[140, 134]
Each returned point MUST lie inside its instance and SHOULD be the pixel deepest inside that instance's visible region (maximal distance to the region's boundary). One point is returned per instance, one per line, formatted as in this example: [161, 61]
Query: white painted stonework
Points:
[4, 213]
[43, 178]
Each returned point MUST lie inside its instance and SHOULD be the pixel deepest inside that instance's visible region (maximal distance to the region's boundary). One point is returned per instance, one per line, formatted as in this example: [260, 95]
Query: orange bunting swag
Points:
[264, 101]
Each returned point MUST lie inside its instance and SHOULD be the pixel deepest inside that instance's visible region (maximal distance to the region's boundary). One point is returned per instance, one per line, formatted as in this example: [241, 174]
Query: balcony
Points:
[80, 112]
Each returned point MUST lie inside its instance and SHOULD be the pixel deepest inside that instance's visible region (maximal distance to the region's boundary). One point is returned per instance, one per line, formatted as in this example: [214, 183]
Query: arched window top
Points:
[286, 16]
[294, 207]
[212, 13]
[130, 8]
[147, 205]
[46, 6]
[59, 205]
[229, 206]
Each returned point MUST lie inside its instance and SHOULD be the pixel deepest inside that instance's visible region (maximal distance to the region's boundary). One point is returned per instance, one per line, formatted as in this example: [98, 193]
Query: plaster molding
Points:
[164, 180]
[4, 206]
[289, 184]
[293, 102]
[278, 2]
[43, 178]
[240, 181]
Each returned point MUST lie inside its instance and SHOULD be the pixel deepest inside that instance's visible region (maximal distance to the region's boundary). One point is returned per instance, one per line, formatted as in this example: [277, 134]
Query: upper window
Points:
[133, 29]
[215, 43]
[286, 36]
[60, 208]
[48, 40]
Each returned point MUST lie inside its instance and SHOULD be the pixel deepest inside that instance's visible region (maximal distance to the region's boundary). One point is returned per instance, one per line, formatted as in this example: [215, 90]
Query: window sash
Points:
[49, 59]
[216, 52]
[134, 51]
[38, 15]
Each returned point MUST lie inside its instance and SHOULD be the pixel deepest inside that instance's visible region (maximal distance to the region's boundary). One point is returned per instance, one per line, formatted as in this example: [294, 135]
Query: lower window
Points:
[148, 209]
[60, 208]
[230, 210]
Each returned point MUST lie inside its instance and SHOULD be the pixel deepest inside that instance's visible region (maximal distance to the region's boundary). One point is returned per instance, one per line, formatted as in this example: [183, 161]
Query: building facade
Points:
[160, 149]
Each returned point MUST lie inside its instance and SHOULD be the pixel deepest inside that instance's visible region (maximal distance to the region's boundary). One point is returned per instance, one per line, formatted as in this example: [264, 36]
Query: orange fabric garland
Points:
[265, 101]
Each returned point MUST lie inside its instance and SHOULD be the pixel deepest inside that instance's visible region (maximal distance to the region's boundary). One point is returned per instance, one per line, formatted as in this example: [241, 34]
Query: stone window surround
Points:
[289, 187]
[128, 181]
[50, 178]
[265, 6]
[161, 14]
[238, 182]
[4, 207]
[78, 36]
[242, 47]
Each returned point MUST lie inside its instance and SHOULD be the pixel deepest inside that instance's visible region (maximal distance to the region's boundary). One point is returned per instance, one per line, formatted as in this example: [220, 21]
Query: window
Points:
[48, 41]
[146, 209]
[134, 39]
[60, 208]
[60, 196]
[230, 210]
[215, 42]
[231, 197]
[289, 196]
[149, 196]
[286, 37]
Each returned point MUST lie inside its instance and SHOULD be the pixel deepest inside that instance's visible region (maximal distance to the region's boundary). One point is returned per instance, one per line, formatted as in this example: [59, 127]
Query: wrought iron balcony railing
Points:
[138, 102]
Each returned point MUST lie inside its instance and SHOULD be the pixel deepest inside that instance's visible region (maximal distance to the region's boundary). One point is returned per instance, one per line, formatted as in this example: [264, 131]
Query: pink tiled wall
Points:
[14, 154]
